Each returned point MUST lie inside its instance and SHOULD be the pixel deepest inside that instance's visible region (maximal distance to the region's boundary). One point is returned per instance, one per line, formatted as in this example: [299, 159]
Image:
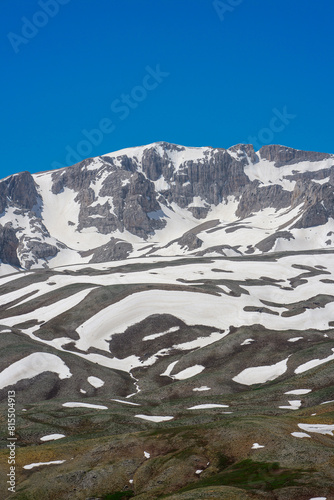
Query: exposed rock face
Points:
[282, 155]
[20, 189]
[257, 198]
[114, 250]
[8, 246]
[267, 244]
[132, 195]
[191, 241]
[318, 201]
[30, 251]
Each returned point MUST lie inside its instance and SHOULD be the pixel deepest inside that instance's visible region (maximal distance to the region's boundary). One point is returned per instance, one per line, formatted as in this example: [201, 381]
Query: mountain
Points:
[167, 325]
[163, 199]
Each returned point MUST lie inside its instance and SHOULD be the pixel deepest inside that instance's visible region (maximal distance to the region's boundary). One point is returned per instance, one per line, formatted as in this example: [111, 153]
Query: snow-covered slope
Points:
[164, 199]
[184, 292]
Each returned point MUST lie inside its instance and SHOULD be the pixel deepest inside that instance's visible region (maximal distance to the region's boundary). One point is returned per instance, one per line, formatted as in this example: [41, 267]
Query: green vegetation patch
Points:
[119, 495]
[249, 475]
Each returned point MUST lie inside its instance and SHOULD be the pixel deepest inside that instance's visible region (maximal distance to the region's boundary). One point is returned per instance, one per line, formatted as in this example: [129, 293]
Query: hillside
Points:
[167, 324]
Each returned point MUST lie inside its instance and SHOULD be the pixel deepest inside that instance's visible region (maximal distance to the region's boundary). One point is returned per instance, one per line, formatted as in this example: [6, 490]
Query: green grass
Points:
[251, 475]
[119, 495]
[223, 461]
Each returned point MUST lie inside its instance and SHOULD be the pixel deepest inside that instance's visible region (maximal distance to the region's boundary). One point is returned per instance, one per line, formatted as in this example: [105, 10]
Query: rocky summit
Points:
[167, 326]
[163, 199]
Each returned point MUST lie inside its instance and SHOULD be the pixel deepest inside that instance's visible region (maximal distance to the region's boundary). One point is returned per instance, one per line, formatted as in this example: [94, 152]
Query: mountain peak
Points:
[148, 199]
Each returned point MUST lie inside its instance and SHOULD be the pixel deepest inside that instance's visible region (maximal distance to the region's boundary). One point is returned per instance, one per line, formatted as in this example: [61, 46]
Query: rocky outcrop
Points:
[257, 198]
[20, 190]
[114, 250]
[268, 243]
[136, 190]
[282, 155]
[190, 241]
[30, 251]
[317, 202]
[76, 177]
[8, 246]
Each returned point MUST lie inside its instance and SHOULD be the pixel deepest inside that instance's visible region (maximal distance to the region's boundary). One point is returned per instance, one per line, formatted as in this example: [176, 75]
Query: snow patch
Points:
[300, 435]
[95, 382]
[157, 335]
[261, 374]
[256, 446]
[189, 372]
[125, 402]
[299, 391]
[313, 363]
[33, 365]
[84, 405]
[38, 464]
[207, 406]
[318, 428]
[247, 342]
[294, 405]
[154, 418]
[52, 437]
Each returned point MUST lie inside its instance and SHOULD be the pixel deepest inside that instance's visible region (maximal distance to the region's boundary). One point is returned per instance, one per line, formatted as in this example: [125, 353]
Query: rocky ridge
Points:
[124, 204]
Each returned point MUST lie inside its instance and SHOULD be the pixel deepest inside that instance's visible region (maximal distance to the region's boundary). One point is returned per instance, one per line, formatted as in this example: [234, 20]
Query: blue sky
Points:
[86, 77]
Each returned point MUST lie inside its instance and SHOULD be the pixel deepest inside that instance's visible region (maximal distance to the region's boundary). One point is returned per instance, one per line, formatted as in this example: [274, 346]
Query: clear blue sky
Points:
[226, 72]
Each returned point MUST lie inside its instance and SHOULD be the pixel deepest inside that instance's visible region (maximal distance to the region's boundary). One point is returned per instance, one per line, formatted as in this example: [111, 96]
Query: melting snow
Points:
[300, 435]
[48, 312]
[299, 391]
[125, 402]
[32, 365]
[294, 339]
[157, 335]
[154, 418]
[267, 173]
[37, 464]
[84, 405]
[202, 388]
[147, 454]
[52, 437]
[95, 382]
[247, 342]
[256, 446]
[207, 406]
[313, 363]
[294, 405]
[201, 341]
[189, 372]
[318, 428]
[169, 369]
[261, 374]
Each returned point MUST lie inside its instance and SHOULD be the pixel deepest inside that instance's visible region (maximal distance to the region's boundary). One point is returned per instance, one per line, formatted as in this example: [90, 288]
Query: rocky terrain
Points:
[164, 199]
[167, 324]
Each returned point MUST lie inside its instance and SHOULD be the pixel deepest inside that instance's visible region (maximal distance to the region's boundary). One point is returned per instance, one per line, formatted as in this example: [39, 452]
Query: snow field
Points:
[31, 366]
[38, 464]
[52, 437]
